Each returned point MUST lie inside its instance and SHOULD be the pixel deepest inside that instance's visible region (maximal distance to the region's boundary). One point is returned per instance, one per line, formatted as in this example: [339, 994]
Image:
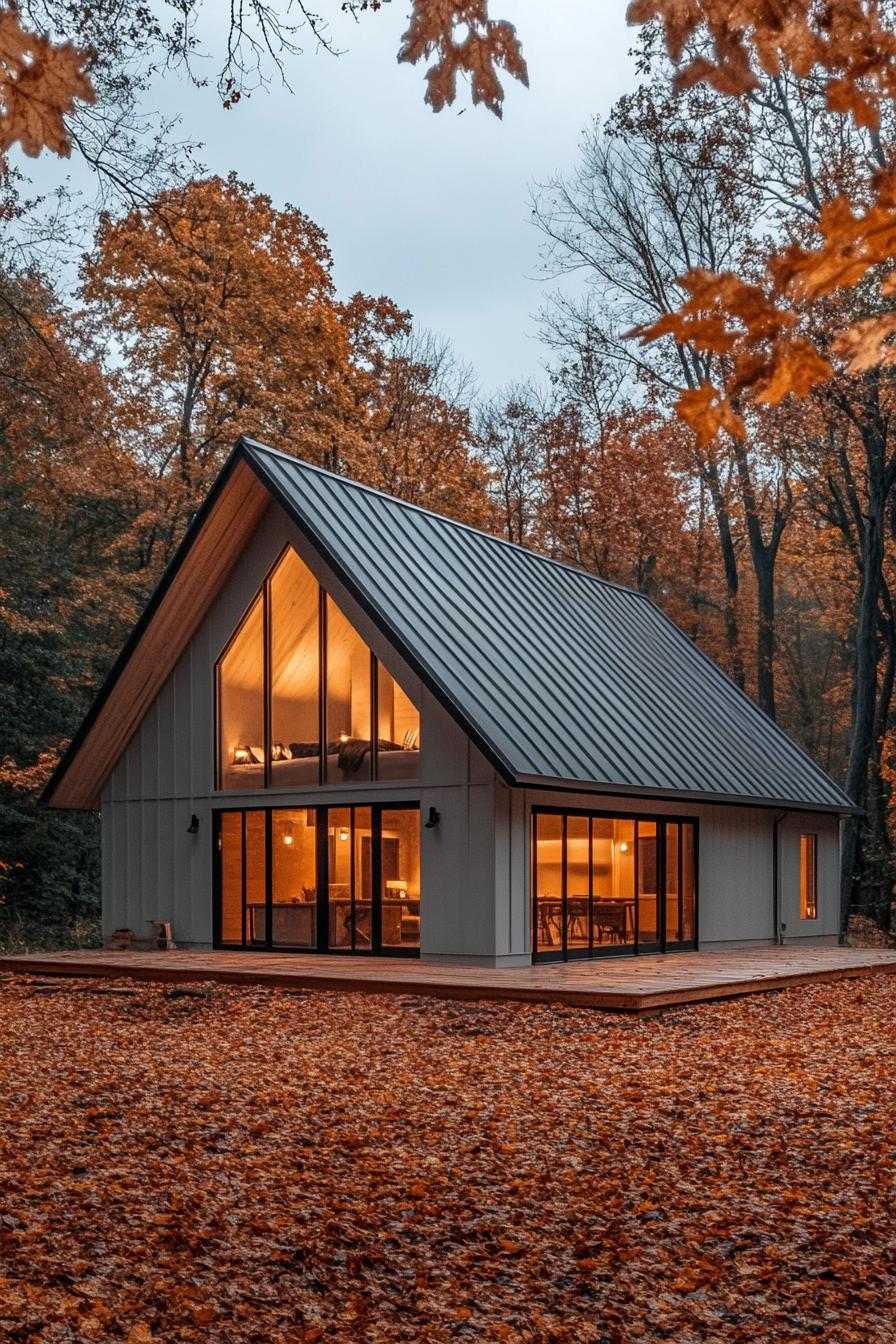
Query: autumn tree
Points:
[66, 491]
[221, 319]
[416, 439]
[661, 187]
[509, 435]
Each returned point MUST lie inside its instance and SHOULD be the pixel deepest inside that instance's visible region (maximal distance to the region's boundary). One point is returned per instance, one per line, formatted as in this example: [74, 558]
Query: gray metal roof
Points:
[560, 677]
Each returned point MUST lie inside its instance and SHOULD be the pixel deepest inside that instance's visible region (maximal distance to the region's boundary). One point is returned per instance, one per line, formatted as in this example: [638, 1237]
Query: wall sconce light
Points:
[287, 835]
[242, 756]
[343, 832]
[193, 827]
[343, 737]
[623, 847]
[434, 818]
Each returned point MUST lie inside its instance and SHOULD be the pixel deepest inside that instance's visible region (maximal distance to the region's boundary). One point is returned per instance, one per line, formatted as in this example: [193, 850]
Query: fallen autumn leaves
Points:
[255, 1165]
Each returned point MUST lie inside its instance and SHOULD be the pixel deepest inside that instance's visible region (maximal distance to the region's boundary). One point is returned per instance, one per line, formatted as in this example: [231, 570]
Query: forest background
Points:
[713, 426]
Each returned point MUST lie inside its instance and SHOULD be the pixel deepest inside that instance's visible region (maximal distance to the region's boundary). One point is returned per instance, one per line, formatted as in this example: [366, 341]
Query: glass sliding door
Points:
[547, 884]
[322, 879]
[349, 888]
[232, 895]
[399, 878]
[649, 886]
[605, 884]
[681, 893]
[294, 877]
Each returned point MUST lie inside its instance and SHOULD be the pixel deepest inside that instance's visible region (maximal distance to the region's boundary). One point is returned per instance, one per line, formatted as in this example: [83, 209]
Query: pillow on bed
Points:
[302, 750]
[257, 754]
[279, 752]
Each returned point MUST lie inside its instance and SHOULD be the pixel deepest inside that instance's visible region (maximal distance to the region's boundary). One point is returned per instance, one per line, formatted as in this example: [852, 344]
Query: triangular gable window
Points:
[296, 673]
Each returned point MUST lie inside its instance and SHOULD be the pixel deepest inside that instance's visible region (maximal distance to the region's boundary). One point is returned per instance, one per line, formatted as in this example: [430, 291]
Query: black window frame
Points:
[638, 946]
[321, 810]
[264, 593]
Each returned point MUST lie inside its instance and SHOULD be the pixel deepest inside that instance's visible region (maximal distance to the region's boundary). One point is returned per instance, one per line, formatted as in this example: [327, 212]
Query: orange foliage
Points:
[40, 82]
[847, 39]
[250, 1165]
[465, 41]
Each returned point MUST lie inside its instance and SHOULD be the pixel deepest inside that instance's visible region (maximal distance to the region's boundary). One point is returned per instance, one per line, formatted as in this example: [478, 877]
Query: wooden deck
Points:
[624, 984]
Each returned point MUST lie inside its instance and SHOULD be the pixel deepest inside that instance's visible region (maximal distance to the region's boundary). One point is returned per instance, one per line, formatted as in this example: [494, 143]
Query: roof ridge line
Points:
[443, 517]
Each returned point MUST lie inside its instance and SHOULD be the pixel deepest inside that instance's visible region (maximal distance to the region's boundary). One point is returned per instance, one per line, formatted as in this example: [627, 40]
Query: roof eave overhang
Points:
[83, 794]
[61, 791]
[843, 809]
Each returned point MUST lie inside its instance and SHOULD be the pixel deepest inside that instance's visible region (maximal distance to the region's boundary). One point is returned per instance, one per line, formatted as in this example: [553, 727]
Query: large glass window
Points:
[349, 684]
[398, 730]
[329, 879]
[271, 694]
[611, 883]
[241, 728]
[295, 674]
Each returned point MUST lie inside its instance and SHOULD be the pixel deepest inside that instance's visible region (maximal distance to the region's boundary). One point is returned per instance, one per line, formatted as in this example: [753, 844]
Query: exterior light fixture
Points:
[434, 818]
[193, 827]
[287, 835]
[242, 756]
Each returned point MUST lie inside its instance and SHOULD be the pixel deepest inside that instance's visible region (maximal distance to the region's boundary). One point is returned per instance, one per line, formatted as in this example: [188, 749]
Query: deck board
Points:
[626, 984]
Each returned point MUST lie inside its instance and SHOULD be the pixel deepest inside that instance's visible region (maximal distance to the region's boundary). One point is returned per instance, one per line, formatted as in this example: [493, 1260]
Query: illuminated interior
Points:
[808, 876]
[241, 701]
[342, 879]
[311, 645]
[610, 884]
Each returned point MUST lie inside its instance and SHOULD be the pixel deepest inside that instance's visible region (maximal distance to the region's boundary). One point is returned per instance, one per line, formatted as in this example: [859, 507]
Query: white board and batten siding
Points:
[735, 895]
[153, 869]
[474, 865]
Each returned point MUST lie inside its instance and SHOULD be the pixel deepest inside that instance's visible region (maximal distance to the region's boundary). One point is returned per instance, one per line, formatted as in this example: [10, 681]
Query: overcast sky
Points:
[431, 210]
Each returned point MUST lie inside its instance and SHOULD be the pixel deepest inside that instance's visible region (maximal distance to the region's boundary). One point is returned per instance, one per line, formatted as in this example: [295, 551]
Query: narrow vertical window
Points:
[398, 729]
[348, 701]
[808, 876]
[295, 671]
[241, 705]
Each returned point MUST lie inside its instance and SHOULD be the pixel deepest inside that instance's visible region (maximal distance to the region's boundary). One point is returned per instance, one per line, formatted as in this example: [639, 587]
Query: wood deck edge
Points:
[646, 1002]
[88, 970]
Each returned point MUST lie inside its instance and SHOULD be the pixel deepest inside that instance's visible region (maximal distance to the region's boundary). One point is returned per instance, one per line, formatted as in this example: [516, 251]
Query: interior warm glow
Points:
[314, 898]
[808, 876]
[597, 883]
[241, 700]
[292, 598]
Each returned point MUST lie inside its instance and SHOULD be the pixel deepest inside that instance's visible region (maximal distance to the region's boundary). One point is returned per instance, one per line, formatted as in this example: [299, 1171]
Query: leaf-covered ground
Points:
[266, 1166]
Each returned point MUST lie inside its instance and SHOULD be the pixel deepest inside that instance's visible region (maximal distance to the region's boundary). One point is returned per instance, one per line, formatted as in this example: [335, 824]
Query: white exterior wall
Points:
[735, 878]
[154, 870]
[474, 866]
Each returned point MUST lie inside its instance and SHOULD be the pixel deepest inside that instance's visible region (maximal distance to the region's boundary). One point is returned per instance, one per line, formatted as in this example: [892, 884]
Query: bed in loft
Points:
[295, 764]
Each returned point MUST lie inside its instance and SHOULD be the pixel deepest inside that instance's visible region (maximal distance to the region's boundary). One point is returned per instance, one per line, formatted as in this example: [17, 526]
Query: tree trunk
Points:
[710, 474]
[866, 663]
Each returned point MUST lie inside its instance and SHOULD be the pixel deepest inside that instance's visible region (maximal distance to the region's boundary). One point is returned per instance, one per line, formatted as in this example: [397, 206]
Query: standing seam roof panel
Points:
[567, 676]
